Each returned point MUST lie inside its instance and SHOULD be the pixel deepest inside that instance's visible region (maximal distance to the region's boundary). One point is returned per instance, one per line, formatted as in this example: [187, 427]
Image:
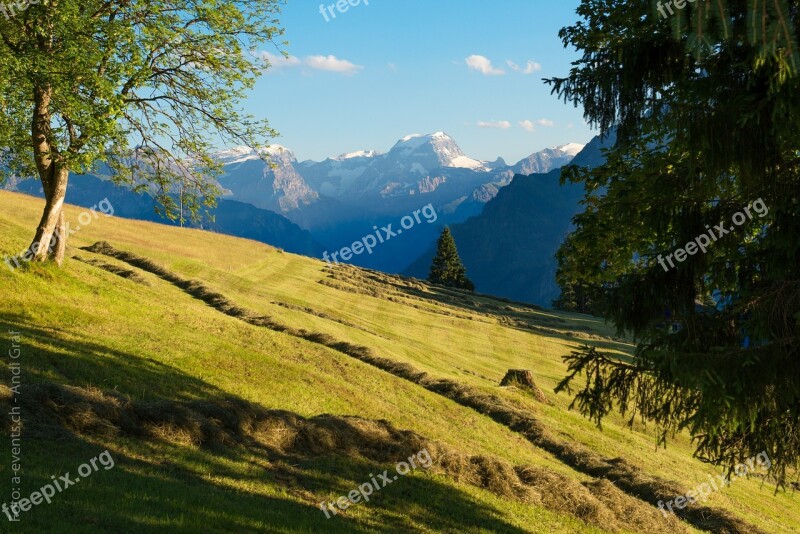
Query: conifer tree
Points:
[704, 104]
[447, 268]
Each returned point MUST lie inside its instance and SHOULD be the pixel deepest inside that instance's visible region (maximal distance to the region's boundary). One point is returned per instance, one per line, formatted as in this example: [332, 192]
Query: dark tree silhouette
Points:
[706, 112]
[447, 268]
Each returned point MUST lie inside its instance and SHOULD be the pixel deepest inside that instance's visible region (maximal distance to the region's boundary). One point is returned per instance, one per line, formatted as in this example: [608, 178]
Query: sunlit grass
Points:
[83, 326]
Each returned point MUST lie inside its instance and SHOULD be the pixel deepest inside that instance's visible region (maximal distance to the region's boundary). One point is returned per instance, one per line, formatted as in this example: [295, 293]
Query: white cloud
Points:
[545, 122]
[528, 125]
[483, 65]
[502, 125]
[332, 64]
[279, 61]
[327, 63]
[529, 68]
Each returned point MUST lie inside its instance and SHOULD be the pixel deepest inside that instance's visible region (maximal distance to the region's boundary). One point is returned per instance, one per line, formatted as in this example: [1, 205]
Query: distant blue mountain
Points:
[312, 207]
[509, 249]
[229, 217]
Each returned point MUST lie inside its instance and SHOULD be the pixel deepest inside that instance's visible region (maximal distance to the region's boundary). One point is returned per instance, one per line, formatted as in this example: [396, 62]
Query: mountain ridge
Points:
[416, 164]
[509, 248]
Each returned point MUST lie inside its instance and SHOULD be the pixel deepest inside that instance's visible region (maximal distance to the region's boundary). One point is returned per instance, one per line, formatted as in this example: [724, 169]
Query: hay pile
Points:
[114, 269]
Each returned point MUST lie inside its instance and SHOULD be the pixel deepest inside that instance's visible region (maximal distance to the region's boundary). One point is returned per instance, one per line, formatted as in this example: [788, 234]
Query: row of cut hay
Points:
[623, 475]
[286, 436]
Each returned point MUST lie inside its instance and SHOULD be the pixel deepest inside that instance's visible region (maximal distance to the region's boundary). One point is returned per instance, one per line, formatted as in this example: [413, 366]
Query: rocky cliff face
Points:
[266, 179]
[430, 184]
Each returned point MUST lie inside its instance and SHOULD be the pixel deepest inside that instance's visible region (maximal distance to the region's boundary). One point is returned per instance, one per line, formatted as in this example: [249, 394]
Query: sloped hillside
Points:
[237, 387]
[228, 216]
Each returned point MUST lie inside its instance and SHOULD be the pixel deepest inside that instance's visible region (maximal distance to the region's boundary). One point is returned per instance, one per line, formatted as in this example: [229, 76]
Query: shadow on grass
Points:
[210, 465]
[577, 339]
[163, 488]
[53, 355]
[637, 484]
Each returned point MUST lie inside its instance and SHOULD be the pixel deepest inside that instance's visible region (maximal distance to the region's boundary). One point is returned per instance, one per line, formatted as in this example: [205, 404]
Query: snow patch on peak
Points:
[274, 149]
[241, 154]
[410, 137]
[415, 140]
[235, 151]
[571, 149]
[278, 152]
[358, 154]
[465, 162]
[237, 154]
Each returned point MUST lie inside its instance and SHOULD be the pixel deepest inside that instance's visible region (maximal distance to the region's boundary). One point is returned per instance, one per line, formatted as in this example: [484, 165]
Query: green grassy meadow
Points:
[140, 367]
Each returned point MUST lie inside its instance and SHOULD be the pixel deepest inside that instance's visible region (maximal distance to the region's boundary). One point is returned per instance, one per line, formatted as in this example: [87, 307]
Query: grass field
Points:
[220, 423]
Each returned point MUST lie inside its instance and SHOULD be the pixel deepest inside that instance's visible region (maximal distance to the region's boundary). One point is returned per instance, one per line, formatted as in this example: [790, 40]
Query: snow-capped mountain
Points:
[415, 164]
[275, 186]
[417, 170]
[344, 197]
[237, 154]
[548, 159]
[489, 243]
[430, 152]
[571, 149]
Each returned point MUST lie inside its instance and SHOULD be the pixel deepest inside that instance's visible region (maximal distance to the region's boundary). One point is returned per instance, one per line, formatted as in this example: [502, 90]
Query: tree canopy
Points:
[705, 103]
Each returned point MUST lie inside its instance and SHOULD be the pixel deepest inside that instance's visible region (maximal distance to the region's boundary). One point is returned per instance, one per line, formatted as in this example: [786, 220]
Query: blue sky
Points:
[381, 71]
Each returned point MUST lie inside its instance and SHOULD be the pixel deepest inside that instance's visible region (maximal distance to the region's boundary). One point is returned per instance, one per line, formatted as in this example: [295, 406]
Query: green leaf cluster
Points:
[140, 90]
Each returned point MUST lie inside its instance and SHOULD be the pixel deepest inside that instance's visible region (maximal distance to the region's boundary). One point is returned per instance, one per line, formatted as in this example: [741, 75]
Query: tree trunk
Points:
[51, 239]
[59, 243]
[523, 379]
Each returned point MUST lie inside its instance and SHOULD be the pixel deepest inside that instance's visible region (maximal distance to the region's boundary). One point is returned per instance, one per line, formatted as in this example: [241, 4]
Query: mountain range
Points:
[228, 217]
[342, 198]
[508, 220]
[417, 170]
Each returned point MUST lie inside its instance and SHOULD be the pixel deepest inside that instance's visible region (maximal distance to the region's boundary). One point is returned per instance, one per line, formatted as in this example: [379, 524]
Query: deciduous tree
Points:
[143, 88]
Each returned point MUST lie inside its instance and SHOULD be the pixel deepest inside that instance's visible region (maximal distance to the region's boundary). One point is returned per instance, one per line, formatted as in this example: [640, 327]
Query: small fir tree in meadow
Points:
[447, 269]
